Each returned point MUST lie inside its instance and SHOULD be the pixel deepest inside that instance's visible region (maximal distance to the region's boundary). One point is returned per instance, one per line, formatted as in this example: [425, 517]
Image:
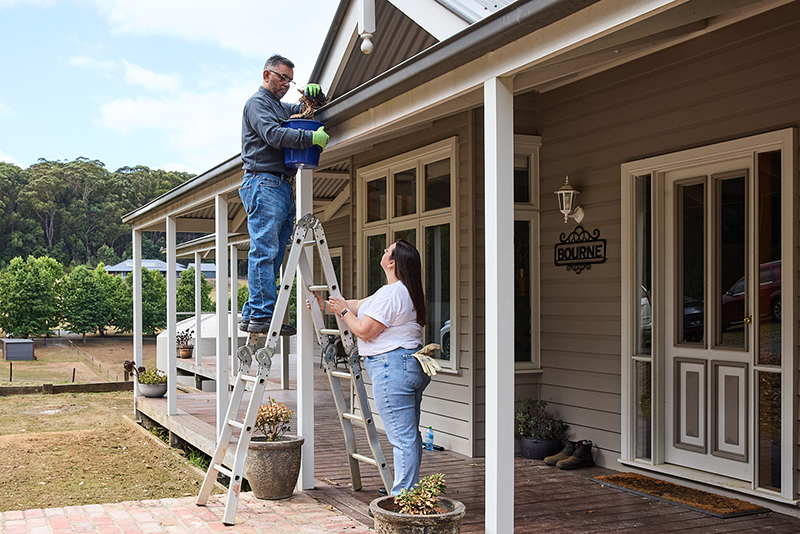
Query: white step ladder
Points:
[327, 340]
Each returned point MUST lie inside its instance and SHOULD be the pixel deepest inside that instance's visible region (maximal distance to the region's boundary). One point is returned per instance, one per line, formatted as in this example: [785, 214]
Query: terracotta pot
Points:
[388, 522]
[185, 352]
[272, 467]
[153, 390]
[538, 449]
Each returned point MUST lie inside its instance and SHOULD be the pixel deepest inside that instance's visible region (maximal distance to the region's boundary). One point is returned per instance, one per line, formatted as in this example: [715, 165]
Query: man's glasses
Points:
[284, 79]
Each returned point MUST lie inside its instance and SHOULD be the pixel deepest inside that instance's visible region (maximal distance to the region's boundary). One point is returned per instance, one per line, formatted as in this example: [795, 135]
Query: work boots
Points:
[582, 457]
[565, 453]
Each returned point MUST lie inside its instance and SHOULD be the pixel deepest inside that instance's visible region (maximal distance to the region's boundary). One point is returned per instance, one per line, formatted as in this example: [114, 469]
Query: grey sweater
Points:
[263, 137]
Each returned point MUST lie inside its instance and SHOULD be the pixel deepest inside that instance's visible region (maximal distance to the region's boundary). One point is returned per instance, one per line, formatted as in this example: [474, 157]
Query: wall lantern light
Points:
[567, 198]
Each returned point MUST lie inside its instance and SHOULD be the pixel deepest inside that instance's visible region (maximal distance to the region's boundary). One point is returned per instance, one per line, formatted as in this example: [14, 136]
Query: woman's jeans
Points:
[269, 203]
[397, 385]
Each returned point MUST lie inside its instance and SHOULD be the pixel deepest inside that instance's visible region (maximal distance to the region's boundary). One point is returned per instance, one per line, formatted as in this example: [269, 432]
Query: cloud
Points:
[157, 83]
[201, 129]
[254, 28]
[92, 63]
[8, 159]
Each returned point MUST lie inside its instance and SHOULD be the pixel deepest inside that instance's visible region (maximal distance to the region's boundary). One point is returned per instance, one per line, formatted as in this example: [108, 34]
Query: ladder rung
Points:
[224, 470]
[330, 331]
[340, 374]
[318, 288]
[248, 378]
[309, 243]
[353, 417]
[237, 424]
[365, 459]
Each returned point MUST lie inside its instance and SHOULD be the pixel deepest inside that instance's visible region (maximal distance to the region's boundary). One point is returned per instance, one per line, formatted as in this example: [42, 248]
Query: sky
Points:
[159, 83]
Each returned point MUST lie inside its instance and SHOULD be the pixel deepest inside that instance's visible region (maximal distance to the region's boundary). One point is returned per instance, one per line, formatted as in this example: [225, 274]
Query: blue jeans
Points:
[397, 385]
[269, 203]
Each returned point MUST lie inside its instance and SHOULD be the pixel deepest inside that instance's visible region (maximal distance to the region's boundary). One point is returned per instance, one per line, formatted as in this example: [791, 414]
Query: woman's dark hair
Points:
[408, 269]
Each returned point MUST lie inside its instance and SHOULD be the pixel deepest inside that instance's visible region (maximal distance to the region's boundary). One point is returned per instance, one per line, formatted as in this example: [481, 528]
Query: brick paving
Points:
[300, 514]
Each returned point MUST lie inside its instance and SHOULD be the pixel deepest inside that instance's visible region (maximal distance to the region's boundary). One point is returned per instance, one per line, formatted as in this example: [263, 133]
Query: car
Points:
[444, 335]
[692, 317]
[769, 301]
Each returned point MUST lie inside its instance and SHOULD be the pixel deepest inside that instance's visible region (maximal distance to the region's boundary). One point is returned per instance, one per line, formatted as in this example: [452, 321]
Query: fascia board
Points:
[433, 17]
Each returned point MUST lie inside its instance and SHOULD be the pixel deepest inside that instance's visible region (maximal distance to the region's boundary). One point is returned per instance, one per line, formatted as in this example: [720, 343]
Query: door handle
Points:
[748, 319]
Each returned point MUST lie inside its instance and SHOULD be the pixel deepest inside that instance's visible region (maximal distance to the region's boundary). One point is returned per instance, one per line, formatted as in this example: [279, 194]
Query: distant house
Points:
[123, 268]
[208, 269]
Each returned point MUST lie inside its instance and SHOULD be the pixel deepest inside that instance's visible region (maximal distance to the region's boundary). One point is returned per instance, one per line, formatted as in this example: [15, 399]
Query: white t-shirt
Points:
[391, 305]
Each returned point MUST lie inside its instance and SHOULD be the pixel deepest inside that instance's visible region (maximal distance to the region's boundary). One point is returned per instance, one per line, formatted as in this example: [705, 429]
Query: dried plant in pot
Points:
[184, 341]
[540, 434]
[420, 509]
[273, 458]
[152, 382]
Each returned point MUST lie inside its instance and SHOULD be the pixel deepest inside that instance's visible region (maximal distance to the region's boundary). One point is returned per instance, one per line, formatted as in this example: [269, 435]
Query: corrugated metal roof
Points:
[474, 10]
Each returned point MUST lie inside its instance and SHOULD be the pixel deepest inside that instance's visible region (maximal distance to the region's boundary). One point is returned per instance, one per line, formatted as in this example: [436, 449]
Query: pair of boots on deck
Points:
[574, 455]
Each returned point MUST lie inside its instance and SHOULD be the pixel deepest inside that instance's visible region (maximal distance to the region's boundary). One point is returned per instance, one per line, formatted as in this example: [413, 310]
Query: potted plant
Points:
[184, 340]
[152, 383]
[273, 459]
[420, 509]
[540, 434]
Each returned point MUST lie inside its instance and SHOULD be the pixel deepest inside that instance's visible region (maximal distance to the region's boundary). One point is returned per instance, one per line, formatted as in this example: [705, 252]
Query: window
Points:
[412, 197]
[526, 255]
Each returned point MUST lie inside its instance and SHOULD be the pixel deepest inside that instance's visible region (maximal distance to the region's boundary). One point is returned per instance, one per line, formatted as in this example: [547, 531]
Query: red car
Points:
[769, 303]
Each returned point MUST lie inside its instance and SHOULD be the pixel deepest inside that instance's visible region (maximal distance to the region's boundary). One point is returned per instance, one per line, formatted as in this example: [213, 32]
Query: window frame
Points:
[418, 158]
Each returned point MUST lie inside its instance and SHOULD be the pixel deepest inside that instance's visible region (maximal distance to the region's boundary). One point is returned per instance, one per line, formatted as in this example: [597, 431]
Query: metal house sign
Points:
[578, 250]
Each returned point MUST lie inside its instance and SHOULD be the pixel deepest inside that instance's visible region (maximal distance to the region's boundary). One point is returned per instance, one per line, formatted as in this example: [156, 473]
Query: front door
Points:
[708, 345]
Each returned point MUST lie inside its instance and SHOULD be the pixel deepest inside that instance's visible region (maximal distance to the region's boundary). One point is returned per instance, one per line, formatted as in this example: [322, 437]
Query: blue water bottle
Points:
[429, 439]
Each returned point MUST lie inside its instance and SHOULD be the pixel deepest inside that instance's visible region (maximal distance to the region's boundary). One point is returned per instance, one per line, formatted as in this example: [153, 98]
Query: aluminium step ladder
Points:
[327, 340]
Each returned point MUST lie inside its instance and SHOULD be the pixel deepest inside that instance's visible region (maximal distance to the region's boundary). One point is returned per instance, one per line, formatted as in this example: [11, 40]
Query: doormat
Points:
[693, 499]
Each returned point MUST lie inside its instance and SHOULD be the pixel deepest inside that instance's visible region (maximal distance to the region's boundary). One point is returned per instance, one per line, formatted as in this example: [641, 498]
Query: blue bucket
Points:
[302, 159]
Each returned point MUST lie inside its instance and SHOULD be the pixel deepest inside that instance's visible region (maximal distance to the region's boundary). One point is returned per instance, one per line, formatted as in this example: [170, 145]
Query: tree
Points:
[113, 289]
[154, 303]
[83, 300]
[185, 293]
[29, 296]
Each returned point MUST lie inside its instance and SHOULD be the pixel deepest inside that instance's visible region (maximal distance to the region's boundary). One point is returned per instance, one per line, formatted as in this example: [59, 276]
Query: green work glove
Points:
[312, 90]
[320, 138]
[429, 365]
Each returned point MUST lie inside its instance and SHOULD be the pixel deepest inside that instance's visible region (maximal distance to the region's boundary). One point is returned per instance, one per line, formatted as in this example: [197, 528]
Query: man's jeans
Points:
[397, 385]
[269, 203]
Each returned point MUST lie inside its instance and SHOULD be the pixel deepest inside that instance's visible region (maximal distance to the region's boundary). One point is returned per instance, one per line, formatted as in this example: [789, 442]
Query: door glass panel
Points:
[692, 263]
[376, 244]
[405, 193]
[376, 200]
[732, 288]
[409, 235]
[644, 398]
[644, 318]
[769, 431]
[522, 178]
[522, 291]
[769, 258]
[437, 185]
[437, 287]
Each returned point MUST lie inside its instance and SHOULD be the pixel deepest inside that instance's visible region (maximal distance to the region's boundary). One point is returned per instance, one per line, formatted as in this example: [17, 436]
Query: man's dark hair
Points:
[276, 60]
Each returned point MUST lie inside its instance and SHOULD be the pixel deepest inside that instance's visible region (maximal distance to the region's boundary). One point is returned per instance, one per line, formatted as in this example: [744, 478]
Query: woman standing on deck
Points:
[388, 325]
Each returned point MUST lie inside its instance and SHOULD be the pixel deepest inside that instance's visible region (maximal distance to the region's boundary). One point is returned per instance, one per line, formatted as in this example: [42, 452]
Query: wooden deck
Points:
[546, 499]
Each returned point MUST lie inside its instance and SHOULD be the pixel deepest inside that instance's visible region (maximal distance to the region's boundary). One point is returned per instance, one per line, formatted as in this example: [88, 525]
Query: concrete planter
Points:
[389, 522]
[153, 390]
[272, 467]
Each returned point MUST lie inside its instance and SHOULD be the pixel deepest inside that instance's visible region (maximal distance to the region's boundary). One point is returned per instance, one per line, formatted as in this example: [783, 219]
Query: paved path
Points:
[299, 514]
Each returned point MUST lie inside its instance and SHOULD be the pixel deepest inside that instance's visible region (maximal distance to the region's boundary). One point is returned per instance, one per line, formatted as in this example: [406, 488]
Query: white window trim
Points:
[529, 145]
[418, 158]
[783, 140]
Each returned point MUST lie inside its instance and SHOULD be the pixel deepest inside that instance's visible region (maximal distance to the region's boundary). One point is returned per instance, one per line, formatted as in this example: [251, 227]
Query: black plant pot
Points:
[538, 449]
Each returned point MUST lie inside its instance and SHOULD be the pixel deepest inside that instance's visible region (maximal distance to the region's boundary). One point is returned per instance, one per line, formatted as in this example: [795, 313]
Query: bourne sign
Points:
[580, 249]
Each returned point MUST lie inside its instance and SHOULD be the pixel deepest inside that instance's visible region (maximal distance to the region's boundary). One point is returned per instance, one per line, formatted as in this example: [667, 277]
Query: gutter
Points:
[495, 31]
[233, 164]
